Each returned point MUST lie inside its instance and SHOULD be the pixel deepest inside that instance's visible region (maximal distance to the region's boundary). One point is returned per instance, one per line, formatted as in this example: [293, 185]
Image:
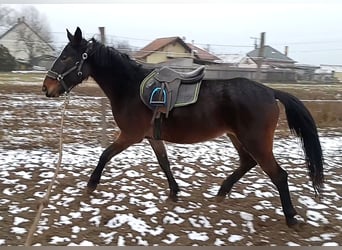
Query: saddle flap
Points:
[164, 96]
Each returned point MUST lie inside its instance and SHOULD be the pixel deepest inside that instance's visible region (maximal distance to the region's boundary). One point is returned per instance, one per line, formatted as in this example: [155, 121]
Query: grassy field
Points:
[21, 77]
[323, 100]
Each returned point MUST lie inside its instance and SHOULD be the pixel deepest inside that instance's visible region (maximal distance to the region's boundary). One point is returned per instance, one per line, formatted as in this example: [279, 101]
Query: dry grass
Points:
[323, 100]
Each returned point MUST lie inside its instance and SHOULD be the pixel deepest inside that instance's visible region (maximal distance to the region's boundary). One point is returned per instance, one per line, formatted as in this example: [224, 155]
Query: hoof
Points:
[298, 227]
[294, 224]
[219, 199]
[173, 198]
[91, 189]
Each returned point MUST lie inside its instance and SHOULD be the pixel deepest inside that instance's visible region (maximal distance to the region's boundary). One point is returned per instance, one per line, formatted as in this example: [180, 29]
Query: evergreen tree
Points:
[7, 61]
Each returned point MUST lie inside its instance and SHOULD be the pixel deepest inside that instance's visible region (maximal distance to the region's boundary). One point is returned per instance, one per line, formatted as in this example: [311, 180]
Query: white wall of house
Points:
[18, 49]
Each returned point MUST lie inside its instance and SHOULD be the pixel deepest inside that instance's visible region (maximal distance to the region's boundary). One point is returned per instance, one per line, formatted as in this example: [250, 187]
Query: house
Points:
[305, 72]
[169, 48]
[237, 60]
[201, 56]
[329, 73]
[272, 58]
[27, 46]
[163, 49]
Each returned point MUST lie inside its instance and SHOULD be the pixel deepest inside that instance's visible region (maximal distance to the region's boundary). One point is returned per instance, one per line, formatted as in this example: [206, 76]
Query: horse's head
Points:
[70, 68]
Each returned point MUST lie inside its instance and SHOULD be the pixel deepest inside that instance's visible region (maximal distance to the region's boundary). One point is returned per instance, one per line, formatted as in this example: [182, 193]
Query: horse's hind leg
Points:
[160, 151]
[279, 179]
[259, 144]
[246, 163]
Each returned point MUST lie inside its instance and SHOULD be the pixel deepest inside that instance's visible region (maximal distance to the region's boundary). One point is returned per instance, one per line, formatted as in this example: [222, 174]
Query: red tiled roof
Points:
[160, 43]
[202, 54]
[157, 45]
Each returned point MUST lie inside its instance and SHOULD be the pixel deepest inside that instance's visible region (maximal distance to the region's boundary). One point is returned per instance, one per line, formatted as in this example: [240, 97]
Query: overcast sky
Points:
[312, 30]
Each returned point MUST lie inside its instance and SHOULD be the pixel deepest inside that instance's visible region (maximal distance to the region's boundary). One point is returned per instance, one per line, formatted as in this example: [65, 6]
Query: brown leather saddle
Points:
[164, 89]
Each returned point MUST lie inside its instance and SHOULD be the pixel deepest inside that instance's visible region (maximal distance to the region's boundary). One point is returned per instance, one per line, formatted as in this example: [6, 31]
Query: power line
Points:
[307, 43]
[114, 37]
[226, 45]
[316, 50]
[200, 44]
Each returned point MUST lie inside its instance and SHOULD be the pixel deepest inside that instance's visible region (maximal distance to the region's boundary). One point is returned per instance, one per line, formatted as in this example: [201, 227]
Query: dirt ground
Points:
[130, 205]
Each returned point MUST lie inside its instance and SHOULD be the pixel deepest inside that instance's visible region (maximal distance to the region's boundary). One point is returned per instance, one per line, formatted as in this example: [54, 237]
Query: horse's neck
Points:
[116, 74]
[118, 87]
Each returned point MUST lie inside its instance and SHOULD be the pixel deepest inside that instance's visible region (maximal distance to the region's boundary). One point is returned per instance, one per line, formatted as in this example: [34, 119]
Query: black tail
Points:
[303, 125]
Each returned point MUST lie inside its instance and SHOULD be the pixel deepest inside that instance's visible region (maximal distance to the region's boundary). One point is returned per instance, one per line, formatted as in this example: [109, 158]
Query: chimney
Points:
[286, 51]
[102, 35]
[20, 20]
[192, 50]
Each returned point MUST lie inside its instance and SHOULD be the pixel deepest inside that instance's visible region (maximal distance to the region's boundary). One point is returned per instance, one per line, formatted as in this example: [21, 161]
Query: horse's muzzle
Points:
[51, 87]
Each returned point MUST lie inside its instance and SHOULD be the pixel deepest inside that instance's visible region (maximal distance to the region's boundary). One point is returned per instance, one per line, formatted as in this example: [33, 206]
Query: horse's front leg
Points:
[160, 151]
[120, 144]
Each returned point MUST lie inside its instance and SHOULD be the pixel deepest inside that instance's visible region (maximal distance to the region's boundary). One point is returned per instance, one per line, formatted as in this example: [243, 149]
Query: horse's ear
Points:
[70, 36]
[78, 36]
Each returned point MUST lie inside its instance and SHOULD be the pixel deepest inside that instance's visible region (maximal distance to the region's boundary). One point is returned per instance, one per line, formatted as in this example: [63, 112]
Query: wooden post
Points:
[104, 138]
[261, 55]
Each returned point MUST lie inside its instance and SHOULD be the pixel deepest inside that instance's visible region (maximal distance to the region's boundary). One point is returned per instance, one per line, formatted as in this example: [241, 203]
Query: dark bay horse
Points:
[246, 111]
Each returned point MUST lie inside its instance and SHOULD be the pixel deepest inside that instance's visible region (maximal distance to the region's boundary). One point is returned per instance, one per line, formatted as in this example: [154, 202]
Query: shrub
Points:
[7, 61]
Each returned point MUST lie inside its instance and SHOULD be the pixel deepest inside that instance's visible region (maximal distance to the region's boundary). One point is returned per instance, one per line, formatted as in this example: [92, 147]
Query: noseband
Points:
[78, 66]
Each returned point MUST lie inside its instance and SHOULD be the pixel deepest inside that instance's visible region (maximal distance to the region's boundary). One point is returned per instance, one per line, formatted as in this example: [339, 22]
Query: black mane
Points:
[109, 57]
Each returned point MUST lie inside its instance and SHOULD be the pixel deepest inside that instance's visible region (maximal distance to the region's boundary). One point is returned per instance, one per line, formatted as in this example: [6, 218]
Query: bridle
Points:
[78, 66]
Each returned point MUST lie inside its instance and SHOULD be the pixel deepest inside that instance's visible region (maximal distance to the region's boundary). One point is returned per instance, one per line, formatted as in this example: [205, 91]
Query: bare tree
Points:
[123, 46]
[37, 21]
[7, 16]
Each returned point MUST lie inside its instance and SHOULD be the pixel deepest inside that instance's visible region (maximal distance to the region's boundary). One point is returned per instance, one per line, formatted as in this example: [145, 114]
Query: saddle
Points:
[164, 89]
[166, 74]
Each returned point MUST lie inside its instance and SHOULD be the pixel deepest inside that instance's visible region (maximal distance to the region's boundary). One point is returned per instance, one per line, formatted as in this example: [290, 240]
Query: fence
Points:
[224, 72]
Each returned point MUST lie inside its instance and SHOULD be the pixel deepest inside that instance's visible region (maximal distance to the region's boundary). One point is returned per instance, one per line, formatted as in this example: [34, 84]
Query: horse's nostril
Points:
[44, 88]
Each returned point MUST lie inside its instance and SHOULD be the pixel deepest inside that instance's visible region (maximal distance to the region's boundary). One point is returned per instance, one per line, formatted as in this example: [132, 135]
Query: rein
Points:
[45, 201]
[78, 66]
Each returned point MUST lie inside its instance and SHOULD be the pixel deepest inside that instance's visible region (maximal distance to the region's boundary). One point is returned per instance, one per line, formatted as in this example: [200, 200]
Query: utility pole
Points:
[104, 138]
[255, 41]
[260, 55]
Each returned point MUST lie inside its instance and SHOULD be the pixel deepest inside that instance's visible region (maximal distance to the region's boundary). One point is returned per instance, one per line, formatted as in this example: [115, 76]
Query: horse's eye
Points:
[64, 57]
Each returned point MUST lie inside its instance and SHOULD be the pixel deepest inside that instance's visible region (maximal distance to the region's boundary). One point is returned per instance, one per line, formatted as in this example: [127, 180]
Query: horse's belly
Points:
[186, 133]
[205, 120]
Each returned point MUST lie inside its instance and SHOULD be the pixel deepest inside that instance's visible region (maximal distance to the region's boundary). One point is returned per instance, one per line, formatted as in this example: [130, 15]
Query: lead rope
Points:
[45, 201]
